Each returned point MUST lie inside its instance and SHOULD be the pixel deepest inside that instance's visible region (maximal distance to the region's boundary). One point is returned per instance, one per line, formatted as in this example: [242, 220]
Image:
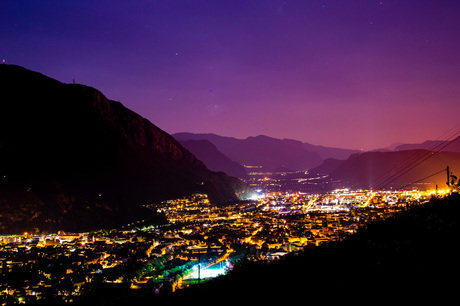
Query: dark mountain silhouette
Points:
[71, 159]
[433, 145]
[327, 166]
[380, 150]
[394, 169]
[268, 152]
[205, 151]
[389, 148]
[329, 152]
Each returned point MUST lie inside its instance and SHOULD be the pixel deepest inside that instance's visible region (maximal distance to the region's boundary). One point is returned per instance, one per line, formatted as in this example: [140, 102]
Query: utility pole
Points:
[448, 176]
[199, 267]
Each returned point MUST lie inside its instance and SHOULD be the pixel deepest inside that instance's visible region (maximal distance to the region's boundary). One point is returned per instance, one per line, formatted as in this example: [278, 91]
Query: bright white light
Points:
[211, 272]
[257, 196]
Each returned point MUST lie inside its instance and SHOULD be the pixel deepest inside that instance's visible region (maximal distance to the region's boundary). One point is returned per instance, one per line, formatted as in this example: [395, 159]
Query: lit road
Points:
[311, 202]
[369, 199]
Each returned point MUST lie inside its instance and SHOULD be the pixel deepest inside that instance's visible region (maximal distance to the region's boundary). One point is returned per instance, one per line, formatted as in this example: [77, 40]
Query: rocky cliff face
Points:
[72, 159]
[133, 127]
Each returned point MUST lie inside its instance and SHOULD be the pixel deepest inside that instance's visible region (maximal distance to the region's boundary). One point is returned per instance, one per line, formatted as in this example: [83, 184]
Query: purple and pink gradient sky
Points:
[352, 74]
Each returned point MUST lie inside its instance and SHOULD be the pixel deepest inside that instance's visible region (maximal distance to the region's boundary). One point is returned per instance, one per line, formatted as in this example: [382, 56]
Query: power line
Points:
[425, 156]
[414, 157]
[401, 172]
[457, 126]
[422, 179]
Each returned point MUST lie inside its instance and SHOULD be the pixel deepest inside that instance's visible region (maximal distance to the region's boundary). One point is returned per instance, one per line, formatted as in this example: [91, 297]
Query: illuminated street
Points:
[166, 257]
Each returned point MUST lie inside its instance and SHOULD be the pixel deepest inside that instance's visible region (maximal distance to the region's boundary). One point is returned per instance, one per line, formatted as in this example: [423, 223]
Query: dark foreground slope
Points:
[411, 257]
[72, 159]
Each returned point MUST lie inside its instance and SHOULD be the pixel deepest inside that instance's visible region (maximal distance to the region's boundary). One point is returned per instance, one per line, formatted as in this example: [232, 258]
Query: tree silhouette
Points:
[453, 182]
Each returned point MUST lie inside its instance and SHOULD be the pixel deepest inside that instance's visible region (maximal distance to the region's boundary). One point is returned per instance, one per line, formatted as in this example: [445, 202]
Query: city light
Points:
[199, 241]
[203, 272]
[257, 196]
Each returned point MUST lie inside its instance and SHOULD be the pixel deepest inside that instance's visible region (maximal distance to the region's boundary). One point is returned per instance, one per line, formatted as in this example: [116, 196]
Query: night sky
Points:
[351, 74]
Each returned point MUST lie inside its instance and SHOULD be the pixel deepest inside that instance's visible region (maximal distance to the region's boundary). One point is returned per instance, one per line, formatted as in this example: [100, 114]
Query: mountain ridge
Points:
[445, 146]
[261, 150]
[72, 159]
[215, 160]
[376, 170]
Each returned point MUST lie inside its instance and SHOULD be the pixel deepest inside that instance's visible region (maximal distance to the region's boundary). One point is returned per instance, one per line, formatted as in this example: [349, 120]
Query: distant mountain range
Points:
[267, 152]
[71, 159]
[329, 152]
[408, 163]
[215, 160]
[384, 170]
[352, 168]
[433, 145]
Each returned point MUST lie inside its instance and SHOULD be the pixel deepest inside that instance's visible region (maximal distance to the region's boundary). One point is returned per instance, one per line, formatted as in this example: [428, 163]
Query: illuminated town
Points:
[200, 241]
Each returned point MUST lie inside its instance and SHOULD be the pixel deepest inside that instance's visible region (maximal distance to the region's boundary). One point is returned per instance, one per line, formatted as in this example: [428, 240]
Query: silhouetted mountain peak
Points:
[68, 154]
[268, 152]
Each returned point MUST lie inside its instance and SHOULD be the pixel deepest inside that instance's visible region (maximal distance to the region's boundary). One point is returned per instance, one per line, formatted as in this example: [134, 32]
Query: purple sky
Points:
[352, 74]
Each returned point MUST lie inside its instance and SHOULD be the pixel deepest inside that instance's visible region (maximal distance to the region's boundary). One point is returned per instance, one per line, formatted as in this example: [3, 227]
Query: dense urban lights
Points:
[200, 242]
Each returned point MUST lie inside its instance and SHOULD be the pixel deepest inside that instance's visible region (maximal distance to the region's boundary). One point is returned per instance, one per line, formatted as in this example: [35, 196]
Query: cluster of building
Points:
[62, 266]
[282, 222]
[65, 266]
